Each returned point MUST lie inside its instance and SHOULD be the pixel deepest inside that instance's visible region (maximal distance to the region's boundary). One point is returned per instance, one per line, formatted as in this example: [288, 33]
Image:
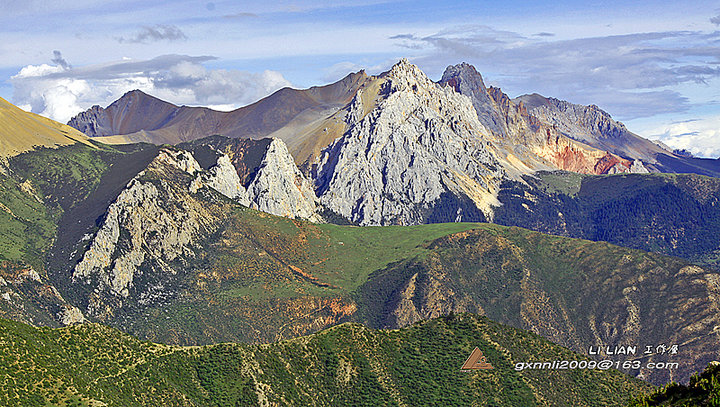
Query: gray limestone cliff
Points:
[417, 154]
[260, 174]
[466, 80]
[155, 222]
[223, 178]
[280, 188]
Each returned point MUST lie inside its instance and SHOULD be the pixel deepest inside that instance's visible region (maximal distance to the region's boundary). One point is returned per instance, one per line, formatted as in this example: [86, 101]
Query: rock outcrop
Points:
[466, 80]
[166, 212]
[223, 177]
[260, 174]
[280, 188]
[154, 221]
[592, 126]
[27, 296]
[414, 152]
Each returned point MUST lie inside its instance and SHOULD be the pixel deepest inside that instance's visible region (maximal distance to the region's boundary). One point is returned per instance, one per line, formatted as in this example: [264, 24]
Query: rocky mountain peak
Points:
[418, 154]
[466, 80]
[405, 76]
[260, 174]
[465, 75]
[133, 93]
[134, 111]
[138, 96]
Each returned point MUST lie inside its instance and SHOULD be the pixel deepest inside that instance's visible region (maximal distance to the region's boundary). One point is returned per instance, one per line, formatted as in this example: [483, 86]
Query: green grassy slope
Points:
[263, 278]
[41, 185]
[575, 292]
[345, 365]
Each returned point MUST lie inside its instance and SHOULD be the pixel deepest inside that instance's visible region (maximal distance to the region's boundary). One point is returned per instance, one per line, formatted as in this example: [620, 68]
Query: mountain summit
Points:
[288, 114]
[466, 80]
[414, 152]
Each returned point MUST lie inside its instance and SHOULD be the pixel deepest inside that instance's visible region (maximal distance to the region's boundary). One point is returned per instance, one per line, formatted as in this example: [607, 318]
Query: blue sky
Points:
[653, 65]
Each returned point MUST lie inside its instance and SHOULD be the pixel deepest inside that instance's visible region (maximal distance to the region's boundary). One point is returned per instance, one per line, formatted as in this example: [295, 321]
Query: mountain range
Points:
[171, 255]
[363, 202]
[560, 135]
[406, 150]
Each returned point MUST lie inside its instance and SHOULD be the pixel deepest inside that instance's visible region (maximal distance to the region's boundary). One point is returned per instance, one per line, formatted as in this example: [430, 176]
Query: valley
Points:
[315, 241]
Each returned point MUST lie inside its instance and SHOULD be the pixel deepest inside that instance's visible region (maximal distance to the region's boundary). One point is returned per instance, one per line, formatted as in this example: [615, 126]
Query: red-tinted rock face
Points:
[610, 163]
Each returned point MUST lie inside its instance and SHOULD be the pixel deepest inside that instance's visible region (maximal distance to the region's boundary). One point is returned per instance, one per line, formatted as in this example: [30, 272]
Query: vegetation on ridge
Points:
[702, 391]
[345, 365]
[672, 214]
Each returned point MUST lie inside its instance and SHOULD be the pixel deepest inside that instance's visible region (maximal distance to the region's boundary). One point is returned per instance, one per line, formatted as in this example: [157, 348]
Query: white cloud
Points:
[700, 136]
[60, 92]
[158, 32]
[55, 98]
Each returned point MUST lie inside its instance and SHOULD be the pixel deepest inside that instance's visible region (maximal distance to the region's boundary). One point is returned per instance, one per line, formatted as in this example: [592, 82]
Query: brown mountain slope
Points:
[21, 131]
[595, 127]
[289, 114]
[542, 145]
[591, 125]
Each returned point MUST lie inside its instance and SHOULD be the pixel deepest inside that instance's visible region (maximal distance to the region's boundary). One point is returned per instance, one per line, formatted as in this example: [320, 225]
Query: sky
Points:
[653, 65]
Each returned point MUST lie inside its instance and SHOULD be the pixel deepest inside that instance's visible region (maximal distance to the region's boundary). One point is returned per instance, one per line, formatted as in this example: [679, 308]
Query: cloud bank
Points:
[700, 136]
[60, 91]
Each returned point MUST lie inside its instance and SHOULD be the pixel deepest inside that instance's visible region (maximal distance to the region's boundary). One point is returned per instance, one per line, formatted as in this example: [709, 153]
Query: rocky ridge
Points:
[154, 222]
[592, 126]
[415, 151]
[528, 141]
[161, 217]
[398, 148]
[280, 188]
[28, 297]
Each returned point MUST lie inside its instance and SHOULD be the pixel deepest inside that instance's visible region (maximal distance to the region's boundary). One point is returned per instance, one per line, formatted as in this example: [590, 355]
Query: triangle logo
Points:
[476, 361]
